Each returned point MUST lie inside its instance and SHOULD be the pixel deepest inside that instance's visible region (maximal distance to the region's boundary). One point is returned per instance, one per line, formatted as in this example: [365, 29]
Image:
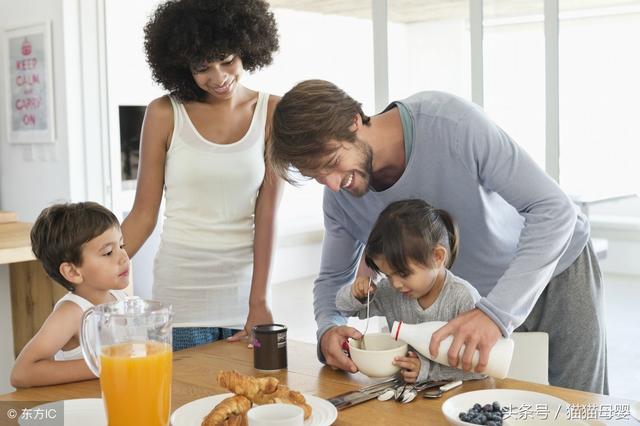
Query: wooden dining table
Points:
[195, 369]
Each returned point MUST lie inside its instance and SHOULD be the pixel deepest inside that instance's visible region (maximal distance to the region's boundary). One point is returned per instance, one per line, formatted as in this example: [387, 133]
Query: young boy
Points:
[80, 247]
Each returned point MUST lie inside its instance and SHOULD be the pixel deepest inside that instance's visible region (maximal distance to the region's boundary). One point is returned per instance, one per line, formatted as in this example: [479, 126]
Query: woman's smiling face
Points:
[219, 78]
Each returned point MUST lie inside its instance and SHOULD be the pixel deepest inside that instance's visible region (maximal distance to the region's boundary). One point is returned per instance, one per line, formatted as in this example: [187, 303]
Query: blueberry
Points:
[496, 406]
[477, 407]
[463, 416]
[487, 408]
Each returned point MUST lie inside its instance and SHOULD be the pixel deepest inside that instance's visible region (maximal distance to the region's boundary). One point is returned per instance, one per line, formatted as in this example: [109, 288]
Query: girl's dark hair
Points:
[60, 232]
[184, 34]
[409, 230]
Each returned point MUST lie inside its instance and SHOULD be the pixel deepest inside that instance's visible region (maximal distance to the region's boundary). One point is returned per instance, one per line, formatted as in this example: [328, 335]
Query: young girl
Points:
[80, 247]
[412, 245]
[204, 144]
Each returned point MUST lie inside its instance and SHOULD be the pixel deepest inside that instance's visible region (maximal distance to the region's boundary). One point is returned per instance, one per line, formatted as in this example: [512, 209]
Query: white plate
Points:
[518, 400]
[635, 411]
[77, 412]
[192, 413]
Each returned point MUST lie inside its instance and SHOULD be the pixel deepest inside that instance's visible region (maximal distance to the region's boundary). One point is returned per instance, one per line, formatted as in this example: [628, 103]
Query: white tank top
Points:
[210, 188]
[76, 353]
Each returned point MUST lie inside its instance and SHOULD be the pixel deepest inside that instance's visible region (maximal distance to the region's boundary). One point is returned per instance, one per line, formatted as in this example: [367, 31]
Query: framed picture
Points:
[29, 84]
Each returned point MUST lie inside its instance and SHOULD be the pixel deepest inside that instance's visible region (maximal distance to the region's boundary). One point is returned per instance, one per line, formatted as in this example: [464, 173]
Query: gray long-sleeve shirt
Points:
[518, 229]
[457, 296]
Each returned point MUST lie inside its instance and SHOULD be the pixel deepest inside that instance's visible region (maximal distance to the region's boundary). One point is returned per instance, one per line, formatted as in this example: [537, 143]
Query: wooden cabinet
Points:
[33, 293]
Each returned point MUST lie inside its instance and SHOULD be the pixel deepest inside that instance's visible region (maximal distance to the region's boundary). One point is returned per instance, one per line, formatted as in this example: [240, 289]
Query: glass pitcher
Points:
[127, 344]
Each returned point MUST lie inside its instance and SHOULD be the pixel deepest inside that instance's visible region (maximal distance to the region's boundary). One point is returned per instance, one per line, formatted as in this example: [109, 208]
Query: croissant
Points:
[246, 385]
[264, 390]
[230, 411]
[239, 420]
[286, 396]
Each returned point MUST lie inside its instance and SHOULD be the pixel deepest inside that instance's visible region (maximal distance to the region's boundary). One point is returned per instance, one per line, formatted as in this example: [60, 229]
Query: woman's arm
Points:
[157, 129]
[265, 230]
[35, 365]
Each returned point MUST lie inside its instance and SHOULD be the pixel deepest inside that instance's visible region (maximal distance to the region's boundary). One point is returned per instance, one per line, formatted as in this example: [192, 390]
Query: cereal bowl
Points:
[376, 360]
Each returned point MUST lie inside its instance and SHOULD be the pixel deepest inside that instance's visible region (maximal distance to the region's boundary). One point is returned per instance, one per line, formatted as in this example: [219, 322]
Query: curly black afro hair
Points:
[184, 34]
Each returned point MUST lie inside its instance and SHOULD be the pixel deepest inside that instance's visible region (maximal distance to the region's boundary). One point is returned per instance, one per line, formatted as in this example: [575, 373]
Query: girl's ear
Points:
[440, 256]
[71, 273]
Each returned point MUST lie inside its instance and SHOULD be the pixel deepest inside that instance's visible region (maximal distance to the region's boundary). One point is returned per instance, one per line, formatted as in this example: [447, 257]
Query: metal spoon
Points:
[410, 394]
[387, 394]
[406, 390]
[399, 391]
[442, 389]
[366, 326]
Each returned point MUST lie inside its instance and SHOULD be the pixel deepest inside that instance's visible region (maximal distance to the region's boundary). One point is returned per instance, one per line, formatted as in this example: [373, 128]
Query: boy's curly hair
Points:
[61, 230]
[184, 34]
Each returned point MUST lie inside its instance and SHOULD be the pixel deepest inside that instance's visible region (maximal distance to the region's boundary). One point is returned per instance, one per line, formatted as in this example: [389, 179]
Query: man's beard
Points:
[366, 168]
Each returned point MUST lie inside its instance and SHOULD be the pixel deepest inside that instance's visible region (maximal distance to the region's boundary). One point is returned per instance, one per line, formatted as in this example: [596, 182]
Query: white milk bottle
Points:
[419, 336]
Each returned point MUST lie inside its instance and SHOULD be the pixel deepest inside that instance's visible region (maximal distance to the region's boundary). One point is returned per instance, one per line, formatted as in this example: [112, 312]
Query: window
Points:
[599, 92]
[514, 85]
[327, 40]
[428, 48]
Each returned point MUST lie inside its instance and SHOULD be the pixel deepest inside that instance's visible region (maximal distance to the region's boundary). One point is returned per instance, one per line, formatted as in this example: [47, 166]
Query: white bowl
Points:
[519, 401]
[276, 415]
[376, 360]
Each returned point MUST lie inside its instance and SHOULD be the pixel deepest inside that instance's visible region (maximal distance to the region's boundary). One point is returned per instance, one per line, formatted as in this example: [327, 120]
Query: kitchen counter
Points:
[33, 293]
[15, 245]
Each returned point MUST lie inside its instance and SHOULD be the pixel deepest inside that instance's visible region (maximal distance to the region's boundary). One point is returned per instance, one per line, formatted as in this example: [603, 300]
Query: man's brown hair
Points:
[62, 229]
[307, 117]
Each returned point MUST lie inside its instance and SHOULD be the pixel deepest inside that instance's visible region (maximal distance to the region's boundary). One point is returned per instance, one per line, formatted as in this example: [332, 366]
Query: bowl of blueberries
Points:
[498, 407]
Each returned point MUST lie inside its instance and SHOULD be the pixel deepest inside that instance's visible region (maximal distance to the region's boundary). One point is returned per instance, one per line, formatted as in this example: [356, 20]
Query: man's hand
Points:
[331, 347]
[410, 366]
[473, 329]
[259, 314]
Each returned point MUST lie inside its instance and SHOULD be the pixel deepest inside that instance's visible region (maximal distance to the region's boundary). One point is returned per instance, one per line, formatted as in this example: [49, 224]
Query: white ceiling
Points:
[408, 11]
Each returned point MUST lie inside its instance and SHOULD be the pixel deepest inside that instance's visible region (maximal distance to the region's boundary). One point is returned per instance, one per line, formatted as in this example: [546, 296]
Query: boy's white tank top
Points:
[203, 267]
[211, 189]
[84, 304]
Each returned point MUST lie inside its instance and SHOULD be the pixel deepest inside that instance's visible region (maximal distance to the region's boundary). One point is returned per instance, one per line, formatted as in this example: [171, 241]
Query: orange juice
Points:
[136, 383]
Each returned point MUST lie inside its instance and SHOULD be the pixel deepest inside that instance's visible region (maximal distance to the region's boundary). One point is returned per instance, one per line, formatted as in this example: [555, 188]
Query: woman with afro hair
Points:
[204, 144]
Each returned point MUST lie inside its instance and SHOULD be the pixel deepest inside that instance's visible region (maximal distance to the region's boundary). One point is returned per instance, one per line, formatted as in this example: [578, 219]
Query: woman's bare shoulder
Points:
[271, 106]
[160, 107]
[273, 101]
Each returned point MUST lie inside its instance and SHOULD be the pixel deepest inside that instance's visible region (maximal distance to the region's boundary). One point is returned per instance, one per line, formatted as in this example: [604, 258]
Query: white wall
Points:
[32, 176]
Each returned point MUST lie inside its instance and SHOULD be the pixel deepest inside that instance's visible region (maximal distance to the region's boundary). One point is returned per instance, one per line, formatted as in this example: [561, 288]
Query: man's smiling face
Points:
[349, 168]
